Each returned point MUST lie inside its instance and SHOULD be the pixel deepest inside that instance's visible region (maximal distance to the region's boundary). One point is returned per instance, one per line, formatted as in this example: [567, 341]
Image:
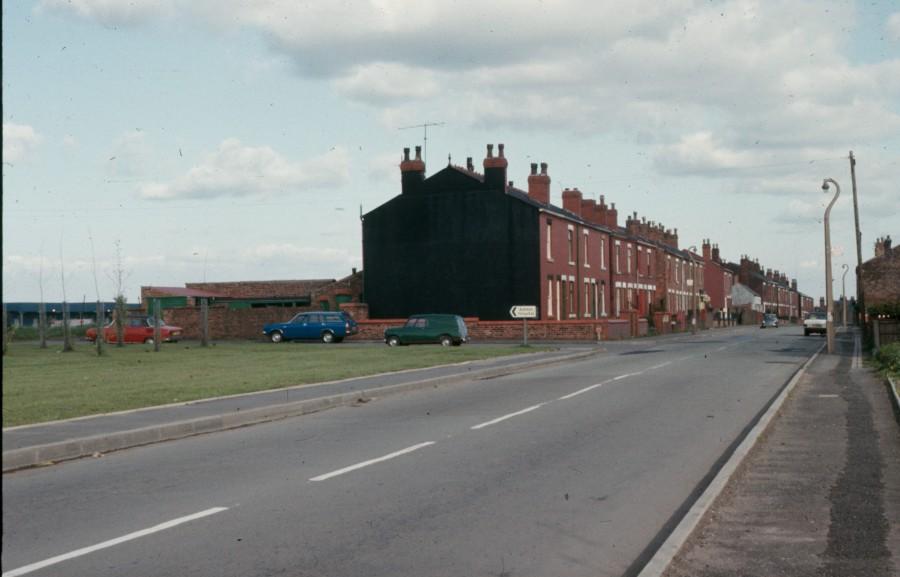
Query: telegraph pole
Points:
[424, 127]
[860, 304]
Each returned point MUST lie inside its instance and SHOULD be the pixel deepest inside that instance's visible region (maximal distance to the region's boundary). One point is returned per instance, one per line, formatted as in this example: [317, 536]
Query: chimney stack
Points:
[571, 199]
[707, 250]
[715, 253]
[412, 172]
[495, 168]
[612, 216]
[470, 166]
[539, 184]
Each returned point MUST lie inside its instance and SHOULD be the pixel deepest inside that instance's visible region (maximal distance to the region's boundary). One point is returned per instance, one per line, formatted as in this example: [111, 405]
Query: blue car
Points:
[325, 326]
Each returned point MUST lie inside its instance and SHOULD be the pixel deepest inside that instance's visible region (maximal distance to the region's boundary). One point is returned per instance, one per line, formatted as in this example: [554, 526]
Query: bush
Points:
[887, 359]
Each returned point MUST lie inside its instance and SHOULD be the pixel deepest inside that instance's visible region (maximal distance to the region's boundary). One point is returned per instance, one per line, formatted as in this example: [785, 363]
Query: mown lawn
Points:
[47, 385]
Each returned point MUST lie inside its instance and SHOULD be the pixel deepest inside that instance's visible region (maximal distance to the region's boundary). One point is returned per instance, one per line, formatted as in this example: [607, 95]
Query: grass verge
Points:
[48, 385]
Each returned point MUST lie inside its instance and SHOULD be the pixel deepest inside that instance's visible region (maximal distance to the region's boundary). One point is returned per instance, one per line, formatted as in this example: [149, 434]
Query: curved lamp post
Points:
[844, 294]
[829, 299]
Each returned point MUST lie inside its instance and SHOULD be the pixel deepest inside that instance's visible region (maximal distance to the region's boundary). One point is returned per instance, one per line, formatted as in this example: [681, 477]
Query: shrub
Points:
[888, 359]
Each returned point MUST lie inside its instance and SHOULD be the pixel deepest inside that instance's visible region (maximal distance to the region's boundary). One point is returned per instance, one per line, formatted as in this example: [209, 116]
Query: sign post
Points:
[524, 312]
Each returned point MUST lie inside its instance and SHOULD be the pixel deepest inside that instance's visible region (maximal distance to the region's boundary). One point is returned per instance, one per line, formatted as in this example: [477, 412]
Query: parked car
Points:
[444, 329]
[815, 323]
[329, 327]
[769, 320]
[137, 329]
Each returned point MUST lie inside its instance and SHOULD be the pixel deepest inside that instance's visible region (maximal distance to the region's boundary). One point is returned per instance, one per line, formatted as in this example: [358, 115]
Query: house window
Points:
[617, 263]
[586, 239]
[648, 263]
[602, 298]
[603, 253]
[571, 299]
[618, 307]
[560, 298]
[587, 298]
[550, 296]
[570, 236]
[628, 257]
[549, 241]
[638, 261]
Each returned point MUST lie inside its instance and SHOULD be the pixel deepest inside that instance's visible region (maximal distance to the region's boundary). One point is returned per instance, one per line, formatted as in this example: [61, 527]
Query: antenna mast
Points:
[424, 127]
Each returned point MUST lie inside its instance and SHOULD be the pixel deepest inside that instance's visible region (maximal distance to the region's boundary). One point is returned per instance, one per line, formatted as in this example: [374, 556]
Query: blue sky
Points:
[237, 141]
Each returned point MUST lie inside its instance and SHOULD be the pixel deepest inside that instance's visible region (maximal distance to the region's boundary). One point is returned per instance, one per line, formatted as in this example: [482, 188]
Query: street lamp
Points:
[690, 252]
[829, 298]
[844, 294]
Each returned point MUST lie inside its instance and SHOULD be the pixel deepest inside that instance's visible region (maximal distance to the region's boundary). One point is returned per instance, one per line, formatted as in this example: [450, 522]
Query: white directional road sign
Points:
[523, 312]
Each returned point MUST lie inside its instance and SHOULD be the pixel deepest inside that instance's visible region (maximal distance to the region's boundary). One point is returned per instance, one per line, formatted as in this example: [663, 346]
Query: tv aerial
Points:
[424, 126]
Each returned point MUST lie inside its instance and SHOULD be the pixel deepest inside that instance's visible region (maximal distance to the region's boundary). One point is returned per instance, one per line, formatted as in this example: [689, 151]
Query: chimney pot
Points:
[470, 166]
[490, 151]
[543, 168]
[533, 168]
[418, 153]
[406, 153]
[500, 150]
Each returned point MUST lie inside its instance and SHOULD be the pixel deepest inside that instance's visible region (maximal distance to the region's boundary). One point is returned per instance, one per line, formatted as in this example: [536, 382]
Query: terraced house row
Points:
[474, 244]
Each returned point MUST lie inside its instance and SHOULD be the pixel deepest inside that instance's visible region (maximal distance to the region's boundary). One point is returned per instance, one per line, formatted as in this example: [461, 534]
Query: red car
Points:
[137, 330]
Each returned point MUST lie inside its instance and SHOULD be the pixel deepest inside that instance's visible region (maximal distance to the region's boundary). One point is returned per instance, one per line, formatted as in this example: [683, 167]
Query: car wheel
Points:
[393, 341]
[328, 337]
[149, 341]
[276, 336]
[446, 341]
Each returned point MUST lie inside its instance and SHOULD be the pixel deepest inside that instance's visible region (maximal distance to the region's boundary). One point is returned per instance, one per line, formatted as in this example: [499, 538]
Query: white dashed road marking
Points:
[112, 542]
[509, 416]
[371, 461]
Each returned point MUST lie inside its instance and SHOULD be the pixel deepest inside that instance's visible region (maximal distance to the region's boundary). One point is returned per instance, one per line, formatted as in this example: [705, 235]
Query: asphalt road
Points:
[568, 470]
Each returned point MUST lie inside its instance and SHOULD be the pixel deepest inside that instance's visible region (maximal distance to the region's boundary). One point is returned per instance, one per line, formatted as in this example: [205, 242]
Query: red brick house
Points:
[881, 279]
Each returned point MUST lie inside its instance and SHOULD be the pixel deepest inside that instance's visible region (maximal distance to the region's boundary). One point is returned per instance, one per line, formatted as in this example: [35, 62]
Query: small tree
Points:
[67, 333]
[100, 316]
[119, 276]
[42, 309]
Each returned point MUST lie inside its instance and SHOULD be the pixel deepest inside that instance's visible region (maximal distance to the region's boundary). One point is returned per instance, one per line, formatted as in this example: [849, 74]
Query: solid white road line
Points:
[625, 376]
[659, 366]
[584, 390]
[509, 416]
[112, 542]
[371, 462]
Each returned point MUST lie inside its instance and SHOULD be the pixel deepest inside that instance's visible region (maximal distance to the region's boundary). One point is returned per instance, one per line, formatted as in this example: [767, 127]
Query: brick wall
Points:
[881, 278]
[248, 324]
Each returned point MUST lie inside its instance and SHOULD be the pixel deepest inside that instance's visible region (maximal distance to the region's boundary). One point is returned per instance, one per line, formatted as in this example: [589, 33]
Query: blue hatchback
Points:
[328, 327]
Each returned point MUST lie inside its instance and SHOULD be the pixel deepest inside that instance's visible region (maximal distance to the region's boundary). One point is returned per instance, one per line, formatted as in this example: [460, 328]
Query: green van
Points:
[444, 329]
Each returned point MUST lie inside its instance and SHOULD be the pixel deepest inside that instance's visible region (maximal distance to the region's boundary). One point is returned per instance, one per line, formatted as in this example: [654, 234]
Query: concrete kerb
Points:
[667, 552]
[88, 446]
[896, 392]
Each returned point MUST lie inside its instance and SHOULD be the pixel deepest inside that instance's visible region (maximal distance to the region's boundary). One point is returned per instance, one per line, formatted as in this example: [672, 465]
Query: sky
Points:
[225, 140]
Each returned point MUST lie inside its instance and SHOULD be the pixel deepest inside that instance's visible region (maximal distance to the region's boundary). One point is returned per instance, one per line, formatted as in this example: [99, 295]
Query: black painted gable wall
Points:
[452, 246]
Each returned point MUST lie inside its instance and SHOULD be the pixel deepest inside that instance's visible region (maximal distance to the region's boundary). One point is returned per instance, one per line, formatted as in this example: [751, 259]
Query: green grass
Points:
[47, 385]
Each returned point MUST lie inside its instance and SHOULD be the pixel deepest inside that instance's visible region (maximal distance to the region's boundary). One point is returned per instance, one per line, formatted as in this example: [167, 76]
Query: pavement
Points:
[819, 494]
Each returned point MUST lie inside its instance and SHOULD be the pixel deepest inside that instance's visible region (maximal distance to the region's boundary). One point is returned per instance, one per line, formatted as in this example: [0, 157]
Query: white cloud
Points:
[18, 141]
[238, 170]
[384, 82]
[113, 12]
[893, 26]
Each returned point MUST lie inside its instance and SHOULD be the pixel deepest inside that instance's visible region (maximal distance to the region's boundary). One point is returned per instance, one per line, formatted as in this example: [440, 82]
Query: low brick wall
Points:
[248, 323]
[578, 330]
